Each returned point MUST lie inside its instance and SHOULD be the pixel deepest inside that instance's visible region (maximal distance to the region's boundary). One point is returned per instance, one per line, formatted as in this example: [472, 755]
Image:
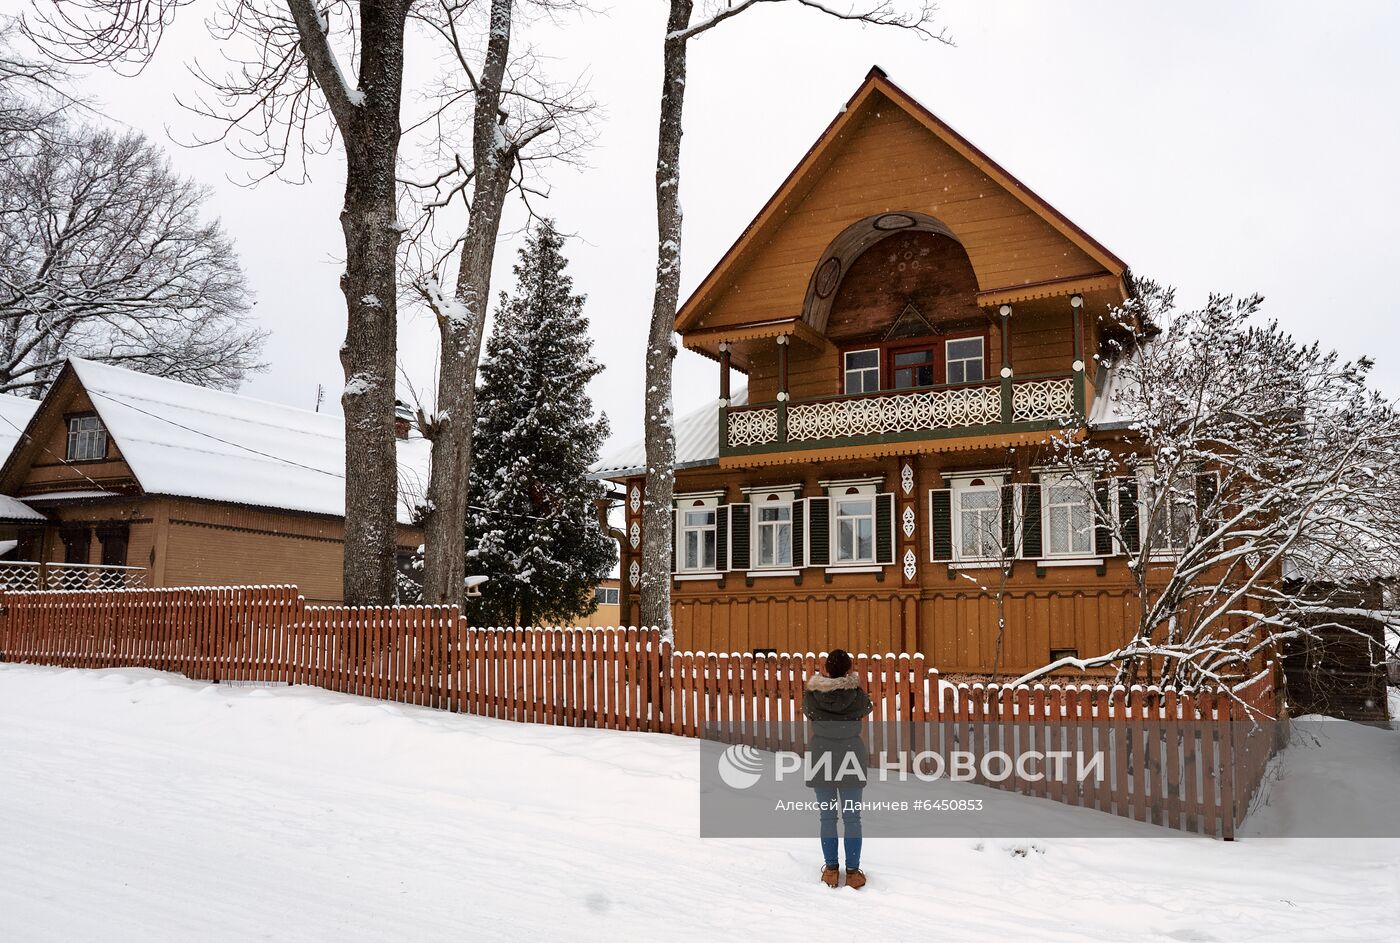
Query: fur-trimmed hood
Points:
[820, 682]
[833, 701]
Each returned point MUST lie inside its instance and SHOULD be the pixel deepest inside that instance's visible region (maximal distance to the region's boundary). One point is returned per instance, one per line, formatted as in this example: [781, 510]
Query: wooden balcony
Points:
[1021, 404]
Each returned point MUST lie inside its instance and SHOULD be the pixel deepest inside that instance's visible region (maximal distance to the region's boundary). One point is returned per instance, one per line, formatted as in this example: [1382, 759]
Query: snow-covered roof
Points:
[191, 441]
[13, 509]
[1109, 410]
[697, 442]
[15, 413]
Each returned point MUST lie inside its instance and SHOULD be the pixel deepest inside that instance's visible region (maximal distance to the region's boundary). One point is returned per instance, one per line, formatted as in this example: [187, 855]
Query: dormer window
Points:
[87, 439]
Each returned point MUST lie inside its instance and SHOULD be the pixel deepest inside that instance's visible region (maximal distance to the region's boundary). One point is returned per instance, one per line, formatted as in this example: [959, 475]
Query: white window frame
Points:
[980, 359]
[961, 485]
[846, 371]
[84, 440]
[607, 595]
[1172, 549]
[836, 559]
[769, 498]
[1049, 480]
[691, 503]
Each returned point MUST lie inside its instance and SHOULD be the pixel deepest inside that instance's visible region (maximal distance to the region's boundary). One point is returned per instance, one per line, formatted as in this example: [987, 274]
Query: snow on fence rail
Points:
[1185, 760]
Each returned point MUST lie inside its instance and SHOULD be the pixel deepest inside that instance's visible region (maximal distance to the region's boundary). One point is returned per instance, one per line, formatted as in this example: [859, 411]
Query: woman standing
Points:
[835, 703]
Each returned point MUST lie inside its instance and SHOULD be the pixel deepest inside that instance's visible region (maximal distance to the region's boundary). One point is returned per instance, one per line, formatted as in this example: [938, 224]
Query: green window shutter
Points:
[819, 532]
[675, 539]
[884, 528]
[799, 543]
[1008, 521]
[1103, 528]
[722, 537]
[1128, 514]
[940, 501]
[1030, 517]
[739, 537]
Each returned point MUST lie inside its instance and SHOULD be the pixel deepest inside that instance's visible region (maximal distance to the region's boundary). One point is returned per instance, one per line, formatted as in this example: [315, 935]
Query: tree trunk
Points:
[461, 326]
[657, 532]
[369, 220]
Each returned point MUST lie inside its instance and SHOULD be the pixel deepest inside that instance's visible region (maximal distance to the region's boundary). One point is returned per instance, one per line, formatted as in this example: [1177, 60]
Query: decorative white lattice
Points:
[634, 573]
[636, 499]
[1034, 400]
[753, 427]
[636, 535]
[899, 412]
[911, 564]
[26, 575]
[906, 478]
[908, 521]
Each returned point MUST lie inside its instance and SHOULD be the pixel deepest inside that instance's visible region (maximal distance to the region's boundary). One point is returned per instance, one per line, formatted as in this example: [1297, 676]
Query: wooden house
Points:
[914, 323]
[120, 479]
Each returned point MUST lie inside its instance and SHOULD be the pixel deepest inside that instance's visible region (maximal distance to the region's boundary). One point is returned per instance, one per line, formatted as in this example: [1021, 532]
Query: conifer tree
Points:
[531, 524]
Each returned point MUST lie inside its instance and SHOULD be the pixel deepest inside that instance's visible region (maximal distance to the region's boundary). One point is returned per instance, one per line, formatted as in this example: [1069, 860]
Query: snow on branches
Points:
[104, 254]
[1252, 481]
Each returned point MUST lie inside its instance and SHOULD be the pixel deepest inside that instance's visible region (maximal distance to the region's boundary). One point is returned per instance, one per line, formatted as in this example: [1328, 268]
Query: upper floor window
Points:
[911, 368]
[965, 360]
[698, 537]
[773, 522]
[606, 595]
[87, 439]
[855, 528]
[1069, 529]
[977, 518]
[862, 371]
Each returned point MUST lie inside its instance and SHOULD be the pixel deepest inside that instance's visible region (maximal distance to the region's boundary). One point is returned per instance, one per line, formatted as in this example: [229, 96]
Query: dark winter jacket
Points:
[836, 754]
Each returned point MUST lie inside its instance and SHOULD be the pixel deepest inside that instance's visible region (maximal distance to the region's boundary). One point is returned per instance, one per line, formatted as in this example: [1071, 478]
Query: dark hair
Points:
[838, 663]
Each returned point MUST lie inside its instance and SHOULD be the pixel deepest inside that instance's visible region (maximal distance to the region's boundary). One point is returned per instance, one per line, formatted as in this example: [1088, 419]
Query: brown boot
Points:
[855, 878]
[831, 876]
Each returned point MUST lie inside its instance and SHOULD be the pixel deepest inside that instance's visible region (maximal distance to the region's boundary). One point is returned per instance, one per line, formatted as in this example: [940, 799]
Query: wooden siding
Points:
[184, 542]
[47, 468]
[739, 620]
[1042, 342]
[888, 162]
[947, 617]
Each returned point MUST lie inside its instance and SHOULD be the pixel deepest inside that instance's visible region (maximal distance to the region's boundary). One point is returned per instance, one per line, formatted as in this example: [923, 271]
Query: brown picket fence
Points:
[1185, 760]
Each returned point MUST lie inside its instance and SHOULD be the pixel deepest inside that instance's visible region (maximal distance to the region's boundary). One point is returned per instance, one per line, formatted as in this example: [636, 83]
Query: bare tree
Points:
[104, 254]
[682, 26]
[1245, 464]
[516, 120]
[32, 92]
[284, 75]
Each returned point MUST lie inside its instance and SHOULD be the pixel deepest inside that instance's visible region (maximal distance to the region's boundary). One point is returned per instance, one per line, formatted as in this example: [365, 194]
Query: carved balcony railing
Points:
[1009, 405]
[30, 575]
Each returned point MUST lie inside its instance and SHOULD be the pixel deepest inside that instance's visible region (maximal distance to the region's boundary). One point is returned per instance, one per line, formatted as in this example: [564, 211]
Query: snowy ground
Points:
[140, 806]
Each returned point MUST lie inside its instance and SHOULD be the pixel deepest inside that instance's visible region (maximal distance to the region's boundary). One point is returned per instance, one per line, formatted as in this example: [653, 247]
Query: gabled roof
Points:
[697, 442]
[878, 85]
[190, 441]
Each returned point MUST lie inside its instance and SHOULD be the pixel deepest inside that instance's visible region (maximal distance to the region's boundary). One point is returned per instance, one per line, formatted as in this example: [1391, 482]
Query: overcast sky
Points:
[1235, 147]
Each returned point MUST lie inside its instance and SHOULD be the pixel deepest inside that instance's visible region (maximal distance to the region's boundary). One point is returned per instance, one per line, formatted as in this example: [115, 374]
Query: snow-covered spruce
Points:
[531, 525]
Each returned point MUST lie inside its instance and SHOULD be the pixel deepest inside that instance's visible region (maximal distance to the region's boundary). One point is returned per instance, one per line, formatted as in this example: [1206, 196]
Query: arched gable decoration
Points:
[848, 246]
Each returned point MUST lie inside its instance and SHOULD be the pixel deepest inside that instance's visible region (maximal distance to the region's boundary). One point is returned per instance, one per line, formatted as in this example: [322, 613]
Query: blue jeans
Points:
[833, 798]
